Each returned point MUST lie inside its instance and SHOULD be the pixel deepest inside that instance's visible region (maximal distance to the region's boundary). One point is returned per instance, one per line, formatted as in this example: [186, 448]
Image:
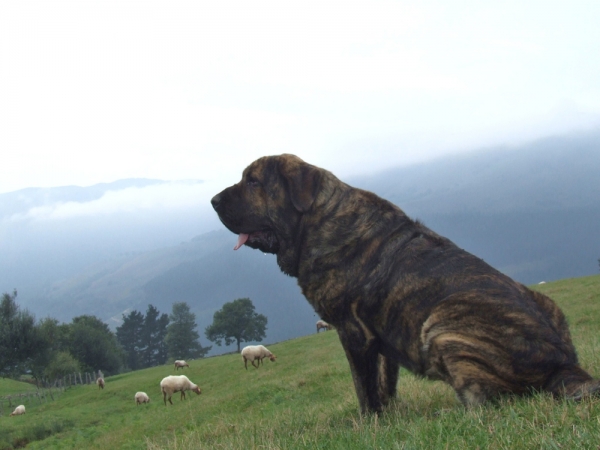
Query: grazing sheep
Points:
[322, 324]
[18, 410]
[256, 352]
[141, 397]
[100, 383]
[177, 383]
[181, 363]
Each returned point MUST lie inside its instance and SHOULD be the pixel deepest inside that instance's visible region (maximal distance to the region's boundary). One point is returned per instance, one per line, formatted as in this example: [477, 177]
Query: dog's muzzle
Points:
[216, 201]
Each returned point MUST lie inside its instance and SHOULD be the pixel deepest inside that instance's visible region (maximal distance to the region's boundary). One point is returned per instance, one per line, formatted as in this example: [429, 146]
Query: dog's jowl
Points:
[399, 294]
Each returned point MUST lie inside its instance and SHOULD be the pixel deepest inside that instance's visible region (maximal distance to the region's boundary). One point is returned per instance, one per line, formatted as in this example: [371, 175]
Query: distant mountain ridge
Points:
[531, 211]
[19, 202]
[51, 234]
[552, 173]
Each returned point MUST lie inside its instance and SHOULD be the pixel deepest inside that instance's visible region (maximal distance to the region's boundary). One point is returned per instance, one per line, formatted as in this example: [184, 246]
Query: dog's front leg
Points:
[388, 372]
[362, 356]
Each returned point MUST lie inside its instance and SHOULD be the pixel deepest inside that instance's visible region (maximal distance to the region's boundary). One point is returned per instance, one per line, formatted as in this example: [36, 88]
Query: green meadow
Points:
[306, 400]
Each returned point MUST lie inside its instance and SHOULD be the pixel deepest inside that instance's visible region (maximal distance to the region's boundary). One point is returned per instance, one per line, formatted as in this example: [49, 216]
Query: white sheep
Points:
[100, 383]
[18, 410]
[256, 352]
[141, 397]
[322, 324]
[177, 383]
[181, 363]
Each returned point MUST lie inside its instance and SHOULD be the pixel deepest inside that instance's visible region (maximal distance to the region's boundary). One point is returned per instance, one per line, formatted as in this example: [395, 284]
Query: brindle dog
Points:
[398, 293]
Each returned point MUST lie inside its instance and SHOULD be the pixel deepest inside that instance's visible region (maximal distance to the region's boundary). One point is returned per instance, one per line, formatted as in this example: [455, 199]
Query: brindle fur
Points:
[400, 294]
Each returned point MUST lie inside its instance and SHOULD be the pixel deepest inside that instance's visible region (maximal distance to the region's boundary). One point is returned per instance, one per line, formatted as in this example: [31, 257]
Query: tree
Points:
[182, 338]
[93, 344]
[20, 340]
[61, 364]
[130, 336]
[143, 338]
[153, 335]
[55, 340]
[237, 322]
[162, 350]
[8, 312]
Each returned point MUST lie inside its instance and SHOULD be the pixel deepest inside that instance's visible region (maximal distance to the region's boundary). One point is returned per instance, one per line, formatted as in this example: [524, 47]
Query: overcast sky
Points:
[97, 91]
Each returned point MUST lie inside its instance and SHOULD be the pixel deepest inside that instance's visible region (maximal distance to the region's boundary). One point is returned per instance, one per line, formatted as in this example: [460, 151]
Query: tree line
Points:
[47, 349]
[151, 340]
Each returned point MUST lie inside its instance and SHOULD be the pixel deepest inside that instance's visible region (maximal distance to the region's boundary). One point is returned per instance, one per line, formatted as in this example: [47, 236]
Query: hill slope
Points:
[205, 273]
[8, 387]
[532, 211]
[306, 400]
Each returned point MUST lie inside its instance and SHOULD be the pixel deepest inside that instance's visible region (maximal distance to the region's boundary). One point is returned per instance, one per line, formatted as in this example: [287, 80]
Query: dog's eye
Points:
[252, 182]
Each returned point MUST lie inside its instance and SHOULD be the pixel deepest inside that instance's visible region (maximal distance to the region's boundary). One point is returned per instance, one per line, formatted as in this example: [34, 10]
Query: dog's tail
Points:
[572, 382]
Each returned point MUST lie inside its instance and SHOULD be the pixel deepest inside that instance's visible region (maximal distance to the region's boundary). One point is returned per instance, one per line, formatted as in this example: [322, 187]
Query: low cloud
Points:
[170, 196]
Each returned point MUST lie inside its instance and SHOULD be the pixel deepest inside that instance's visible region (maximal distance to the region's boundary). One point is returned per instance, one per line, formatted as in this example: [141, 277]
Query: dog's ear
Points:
[303, 181]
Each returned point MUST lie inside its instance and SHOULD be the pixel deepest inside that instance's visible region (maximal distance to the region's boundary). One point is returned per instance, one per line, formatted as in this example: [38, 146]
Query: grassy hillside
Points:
[306, 400]
[9, 387]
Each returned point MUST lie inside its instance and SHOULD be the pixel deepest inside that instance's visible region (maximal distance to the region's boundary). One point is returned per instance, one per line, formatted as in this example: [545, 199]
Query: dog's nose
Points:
[215, 201]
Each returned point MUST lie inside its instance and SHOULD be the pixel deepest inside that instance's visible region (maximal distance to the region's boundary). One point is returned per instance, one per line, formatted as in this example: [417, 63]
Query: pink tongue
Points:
[242, 238]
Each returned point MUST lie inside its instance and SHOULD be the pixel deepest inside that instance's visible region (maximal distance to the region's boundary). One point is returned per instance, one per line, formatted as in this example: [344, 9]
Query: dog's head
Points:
[266, 206]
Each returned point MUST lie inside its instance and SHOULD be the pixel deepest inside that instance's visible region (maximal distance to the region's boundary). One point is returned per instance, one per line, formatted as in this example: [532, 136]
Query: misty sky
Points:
[93, 92]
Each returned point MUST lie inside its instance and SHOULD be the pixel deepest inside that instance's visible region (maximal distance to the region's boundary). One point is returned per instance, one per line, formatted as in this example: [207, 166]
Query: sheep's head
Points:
[197, 390]
[272, 357]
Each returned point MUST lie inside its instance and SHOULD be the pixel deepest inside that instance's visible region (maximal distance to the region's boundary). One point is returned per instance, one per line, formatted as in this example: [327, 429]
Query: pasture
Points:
[306, 400]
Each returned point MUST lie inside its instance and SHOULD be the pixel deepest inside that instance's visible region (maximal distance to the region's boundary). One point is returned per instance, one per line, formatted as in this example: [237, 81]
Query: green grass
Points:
[10, 387]
[306, 400]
